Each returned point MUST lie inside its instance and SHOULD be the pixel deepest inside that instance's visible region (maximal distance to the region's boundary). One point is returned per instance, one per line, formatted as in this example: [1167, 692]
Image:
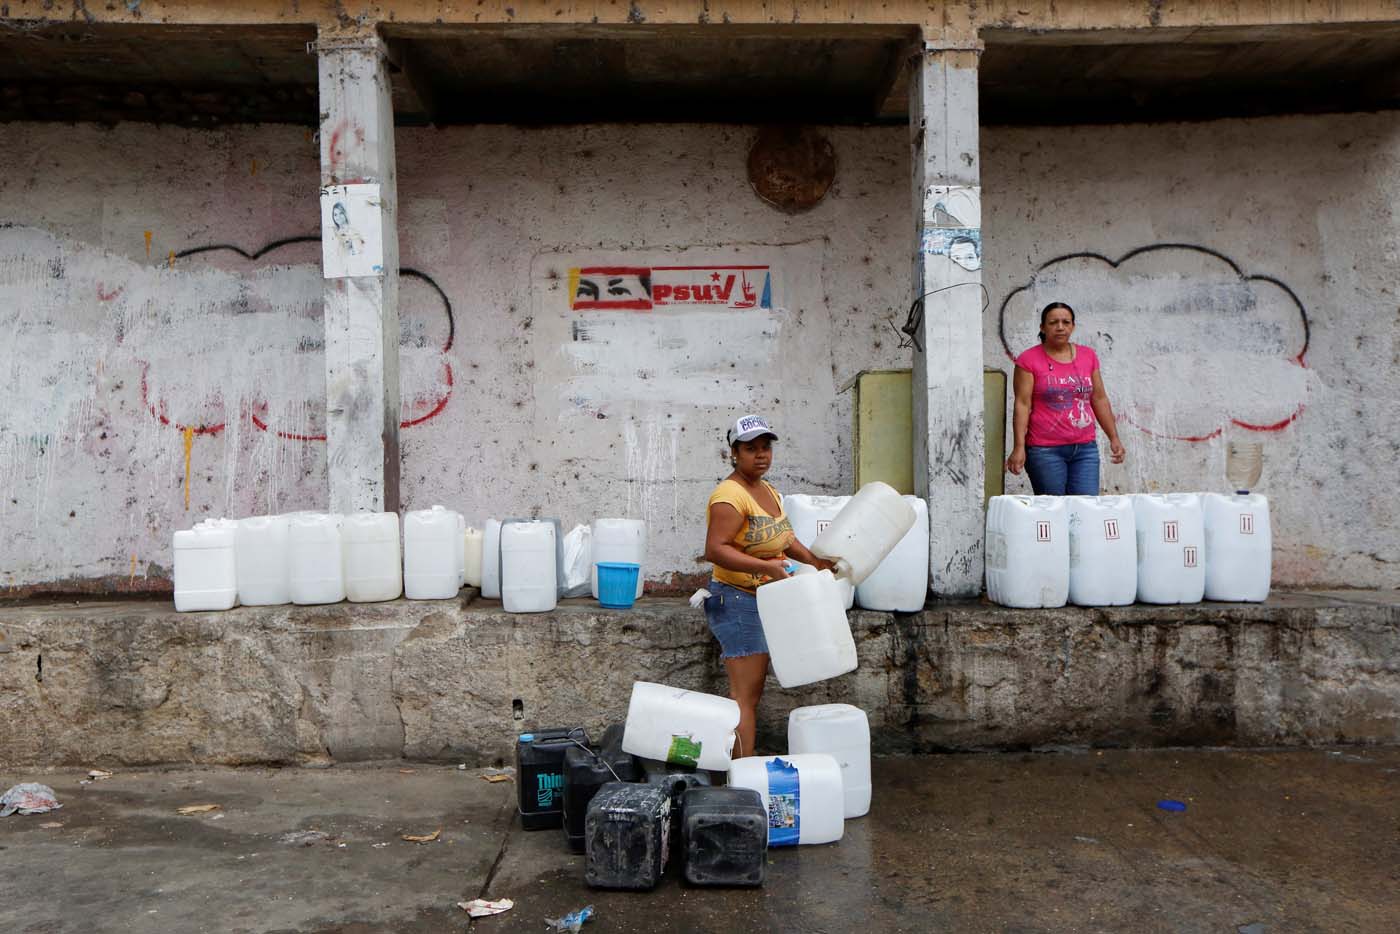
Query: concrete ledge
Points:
[136, 683]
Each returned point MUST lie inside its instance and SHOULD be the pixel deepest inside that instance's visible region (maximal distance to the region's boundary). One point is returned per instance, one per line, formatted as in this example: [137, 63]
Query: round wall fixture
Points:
[791, 167]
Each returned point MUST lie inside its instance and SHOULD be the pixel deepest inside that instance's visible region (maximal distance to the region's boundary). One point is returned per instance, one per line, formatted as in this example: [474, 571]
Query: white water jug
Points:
[1170, 547]
[491, 560]
[461, 542]
[900, 583]
[804, 623]
[623, 540]
[1239, 547]
[373, 568]
[529, 567]
[848, 590]
[1027, 551]
[317, 558]
[679, 726]
[801, 793]
[206, 567]
[865, 531]
[431, 570]
[472, 542]
[809, 516]
[264, 569]
[1102, 550]
[842, 731]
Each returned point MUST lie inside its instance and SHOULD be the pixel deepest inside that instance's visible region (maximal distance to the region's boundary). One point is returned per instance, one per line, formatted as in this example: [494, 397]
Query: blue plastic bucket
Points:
[617, 584]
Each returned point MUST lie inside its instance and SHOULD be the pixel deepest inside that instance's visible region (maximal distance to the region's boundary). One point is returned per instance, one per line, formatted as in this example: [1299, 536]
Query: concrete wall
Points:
[1270, 317]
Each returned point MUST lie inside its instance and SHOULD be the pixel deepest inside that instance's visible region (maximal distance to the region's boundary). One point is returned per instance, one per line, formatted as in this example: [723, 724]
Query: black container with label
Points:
[627, 836]
[724, 836]
[539, 775]
[585, 771]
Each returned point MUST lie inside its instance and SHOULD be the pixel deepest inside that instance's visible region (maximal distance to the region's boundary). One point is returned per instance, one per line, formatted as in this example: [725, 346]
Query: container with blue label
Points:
[539, 775]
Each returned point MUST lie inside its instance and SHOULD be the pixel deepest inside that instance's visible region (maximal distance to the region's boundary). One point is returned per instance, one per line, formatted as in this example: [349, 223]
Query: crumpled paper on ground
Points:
[28, 798]
[481, 908]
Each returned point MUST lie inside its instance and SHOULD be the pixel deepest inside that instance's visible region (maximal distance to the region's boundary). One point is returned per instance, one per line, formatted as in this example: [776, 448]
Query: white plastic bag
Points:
[578, 562]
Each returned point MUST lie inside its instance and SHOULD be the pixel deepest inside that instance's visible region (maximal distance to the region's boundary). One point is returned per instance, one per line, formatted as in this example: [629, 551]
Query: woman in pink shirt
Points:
[1059, 394]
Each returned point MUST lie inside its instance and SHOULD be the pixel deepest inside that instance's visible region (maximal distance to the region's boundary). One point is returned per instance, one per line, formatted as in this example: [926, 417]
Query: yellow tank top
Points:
[762, 535]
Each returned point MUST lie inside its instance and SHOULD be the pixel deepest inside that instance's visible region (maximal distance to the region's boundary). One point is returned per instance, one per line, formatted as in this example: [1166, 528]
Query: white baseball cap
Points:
[747, 428]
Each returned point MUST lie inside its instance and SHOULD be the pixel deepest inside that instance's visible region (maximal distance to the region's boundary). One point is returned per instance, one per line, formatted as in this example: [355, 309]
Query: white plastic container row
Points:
[1161, 548]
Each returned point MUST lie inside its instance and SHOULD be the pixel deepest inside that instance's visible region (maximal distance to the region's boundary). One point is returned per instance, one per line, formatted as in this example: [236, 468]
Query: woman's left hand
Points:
[1116, 451]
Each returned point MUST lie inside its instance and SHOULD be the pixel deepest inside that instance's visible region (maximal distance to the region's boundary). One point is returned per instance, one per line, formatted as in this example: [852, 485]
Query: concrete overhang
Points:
[765, 73]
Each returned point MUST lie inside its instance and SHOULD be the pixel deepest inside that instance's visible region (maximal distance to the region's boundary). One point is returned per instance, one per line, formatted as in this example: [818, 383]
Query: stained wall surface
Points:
[160, 294]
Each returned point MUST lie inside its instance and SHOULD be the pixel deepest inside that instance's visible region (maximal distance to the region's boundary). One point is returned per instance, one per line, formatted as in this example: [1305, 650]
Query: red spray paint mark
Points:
[105, 296]
[160, 413]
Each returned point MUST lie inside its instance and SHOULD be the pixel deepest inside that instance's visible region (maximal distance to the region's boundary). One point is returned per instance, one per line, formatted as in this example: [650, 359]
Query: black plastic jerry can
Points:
[539, 775]
[724, 836]
[627, 836]
[585, 772]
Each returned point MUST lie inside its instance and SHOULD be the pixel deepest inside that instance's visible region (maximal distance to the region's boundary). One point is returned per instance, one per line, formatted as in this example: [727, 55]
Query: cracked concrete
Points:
[136, 683]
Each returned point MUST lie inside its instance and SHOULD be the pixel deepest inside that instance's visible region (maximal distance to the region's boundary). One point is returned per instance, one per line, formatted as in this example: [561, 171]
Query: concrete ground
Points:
[1271, 841]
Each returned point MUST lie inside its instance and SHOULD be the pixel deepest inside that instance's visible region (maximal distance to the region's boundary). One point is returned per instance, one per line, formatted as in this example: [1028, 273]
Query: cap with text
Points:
[748, 428]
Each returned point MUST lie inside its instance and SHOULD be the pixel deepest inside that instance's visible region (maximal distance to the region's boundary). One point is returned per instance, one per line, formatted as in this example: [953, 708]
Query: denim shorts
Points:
[733, 617]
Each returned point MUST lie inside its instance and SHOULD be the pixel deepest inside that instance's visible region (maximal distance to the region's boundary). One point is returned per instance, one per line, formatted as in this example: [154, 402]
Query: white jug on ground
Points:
[679, 726]
[472, 549]
[461, 542]
[264, 565]
[1027, 551]
[801, 793]
[1170, 547]
[431, 570]
[206, 568]
[809, 516]
[373, 568]
[491, 560]
[804, 623]
[317, 558]
[865, 531]
[1239, 547]
[900, 583]
[1102, 550]
[621, 540]
[529, 567]
[842, 731]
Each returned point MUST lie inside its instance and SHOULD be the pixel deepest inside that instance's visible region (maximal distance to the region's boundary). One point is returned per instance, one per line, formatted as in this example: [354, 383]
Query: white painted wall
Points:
[629, 422]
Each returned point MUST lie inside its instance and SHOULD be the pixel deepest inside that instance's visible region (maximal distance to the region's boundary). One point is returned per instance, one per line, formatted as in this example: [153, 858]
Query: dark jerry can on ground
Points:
[627, 836]
[586, 771]
[724, 834]
[539, 775]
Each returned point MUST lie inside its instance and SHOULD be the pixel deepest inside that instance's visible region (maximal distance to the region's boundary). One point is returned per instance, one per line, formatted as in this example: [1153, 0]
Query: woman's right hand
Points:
[1017, 460]
[777, 570]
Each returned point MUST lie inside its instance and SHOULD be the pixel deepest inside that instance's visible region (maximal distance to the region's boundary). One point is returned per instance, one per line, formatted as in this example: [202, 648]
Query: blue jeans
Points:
[1064, 469]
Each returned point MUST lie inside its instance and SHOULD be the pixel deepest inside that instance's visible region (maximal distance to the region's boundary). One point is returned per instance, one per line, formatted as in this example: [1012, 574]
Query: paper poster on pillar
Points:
[352, 227]
[953, 225]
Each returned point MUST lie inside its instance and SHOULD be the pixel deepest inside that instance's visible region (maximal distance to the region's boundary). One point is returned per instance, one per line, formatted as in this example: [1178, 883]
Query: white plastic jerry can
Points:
[804, 623]
[900, 583]
[1239, 547]
[1027, 556]
[809, 516]
[679, 726]
[801, 793]
[206, 575]
[1170, 547]
[317, 558]
[1102, 550]
[842, 731]
[472, 549]
[865, 531]
[264, 569]
[431, 563]
[373, 569]
[621, 540]
[529, 567]
[491, 560]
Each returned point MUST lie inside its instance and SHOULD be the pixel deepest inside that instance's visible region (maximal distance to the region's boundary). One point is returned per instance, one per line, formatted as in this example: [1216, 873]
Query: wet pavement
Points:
[1270, 841]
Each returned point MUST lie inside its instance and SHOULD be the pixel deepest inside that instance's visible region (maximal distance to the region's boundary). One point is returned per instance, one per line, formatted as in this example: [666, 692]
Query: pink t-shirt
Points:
[1060, 409]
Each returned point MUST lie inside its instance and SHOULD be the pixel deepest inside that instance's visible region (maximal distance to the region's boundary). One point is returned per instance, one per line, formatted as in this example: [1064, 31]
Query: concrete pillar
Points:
[361, 307]
[948, 430]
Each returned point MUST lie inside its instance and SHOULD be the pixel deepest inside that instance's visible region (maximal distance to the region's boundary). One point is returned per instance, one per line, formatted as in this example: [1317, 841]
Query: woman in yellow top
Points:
[748, 538]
